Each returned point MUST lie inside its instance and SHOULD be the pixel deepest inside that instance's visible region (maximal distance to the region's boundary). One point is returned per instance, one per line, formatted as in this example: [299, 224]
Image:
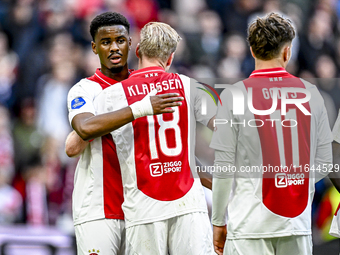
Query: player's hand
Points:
[163, 103]
[219, 237]
[153, 104]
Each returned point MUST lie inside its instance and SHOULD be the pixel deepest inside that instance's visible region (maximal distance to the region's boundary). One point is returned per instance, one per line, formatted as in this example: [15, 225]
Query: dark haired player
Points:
[270, 214]
[98, 193]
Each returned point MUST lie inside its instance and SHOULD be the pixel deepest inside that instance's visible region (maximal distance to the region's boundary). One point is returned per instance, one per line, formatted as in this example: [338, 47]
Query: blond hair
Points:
[158, 40]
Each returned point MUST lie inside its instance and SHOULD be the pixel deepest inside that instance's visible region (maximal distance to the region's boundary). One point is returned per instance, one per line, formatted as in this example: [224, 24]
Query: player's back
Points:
[155, 152]
[161, 141]
[275, 147]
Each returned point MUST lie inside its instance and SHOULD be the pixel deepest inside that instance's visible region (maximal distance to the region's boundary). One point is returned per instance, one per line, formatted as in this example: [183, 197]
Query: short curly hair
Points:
[108, 19]
[267, 35]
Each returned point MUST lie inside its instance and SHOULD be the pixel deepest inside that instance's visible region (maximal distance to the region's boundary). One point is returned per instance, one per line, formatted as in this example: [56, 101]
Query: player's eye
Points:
[121, 41]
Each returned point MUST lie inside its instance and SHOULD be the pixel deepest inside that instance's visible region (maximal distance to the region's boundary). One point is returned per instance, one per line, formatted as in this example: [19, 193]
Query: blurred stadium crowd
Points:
[45, 49]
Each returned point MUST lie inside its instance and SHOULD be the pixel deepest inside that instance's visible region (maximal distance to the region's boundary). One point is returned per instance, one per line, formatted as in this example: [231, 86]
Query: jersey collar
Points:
[269, 72]
[104, 79]
[147, 70]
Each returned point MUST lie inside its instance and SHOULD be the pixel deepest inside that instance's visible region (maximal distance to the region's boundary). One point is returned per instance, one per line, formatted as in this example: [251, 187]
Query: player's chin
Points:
[116, 68]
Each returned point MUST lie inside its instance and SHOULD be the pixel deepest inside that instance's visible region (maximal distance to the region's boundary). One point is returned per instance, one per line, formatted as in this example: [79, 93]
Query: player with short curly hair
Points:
[272, 149]
[266, 37]
[108, 19]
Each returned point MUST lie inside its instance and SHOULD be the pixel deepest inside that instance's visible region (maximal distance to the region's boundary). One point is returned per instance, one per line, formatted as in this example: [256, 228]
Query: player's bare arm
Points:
[74, 145]
[206, 178]
[89, 126]
[211, 123]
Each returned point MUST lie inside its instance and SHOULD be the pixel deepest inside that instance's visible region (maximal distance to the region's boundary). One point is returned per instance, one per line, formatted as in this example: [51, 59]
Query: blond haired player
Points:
[98, 192]
[164, 206]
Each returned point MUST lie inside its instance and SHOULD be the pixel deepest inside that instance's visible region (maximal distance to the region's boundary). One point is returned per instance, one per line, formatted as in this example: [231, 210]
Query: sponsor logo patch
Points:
[77, 103]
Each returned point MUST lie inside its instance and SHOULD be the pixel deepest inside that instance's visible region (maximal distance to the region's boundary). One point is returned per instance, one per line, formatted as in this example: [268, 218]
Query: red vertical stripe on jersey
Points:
[279, 193]
[112, 180]
[152, 176]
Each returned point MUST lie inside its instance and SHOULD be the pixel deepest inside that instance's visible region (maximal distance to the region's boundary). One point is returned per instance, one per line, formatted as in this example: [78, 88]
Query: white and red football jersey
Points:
[156, 153]
[98, 190]
[275, 155]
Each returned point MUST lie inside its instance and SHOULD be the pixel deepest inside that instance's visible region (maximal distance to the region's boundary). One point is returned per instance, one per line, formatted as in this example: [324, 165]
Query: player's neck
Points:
[268, 64]
[124, 74]
[147, 62]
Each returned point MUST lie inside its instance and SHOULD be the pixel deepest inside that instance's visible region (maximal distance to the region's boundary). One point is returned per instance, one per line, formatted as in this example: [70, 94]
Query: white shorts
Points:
[301, 245]
[182, 235]
[105, 236]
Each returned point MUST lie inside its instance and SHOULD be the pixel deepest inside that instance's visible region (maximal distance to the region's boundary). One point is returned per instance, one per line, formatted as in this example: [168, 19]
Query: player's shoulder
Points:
[85, 82]
[113, 88]
[230, 89]
[307, 84]
[189, 81]
[313, 89]
[87, 85]
[186, 80]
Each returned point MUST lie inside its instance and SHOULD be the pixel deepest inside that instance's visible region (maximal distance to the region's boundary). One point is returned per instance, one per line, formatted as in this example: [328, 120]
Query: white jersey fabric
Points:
[335, 225]
[267, 202]
[98, 190]
[156, 153]
[336, 129]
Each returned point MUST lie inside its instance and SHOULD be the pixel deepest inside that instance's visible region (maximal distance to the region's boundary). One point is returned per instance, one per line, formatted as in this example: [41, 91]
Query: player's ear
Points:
[252, 53]
[94, 47]
[130, 43]
[170, 59]
[137, 51]
[286, 53]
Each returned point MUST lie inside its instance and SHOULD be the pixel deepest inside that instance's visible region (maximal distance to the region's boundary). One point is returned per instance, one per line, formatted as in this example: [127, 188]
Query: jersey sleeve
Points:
[224, 138]
[203, 112]
[80, 98]
[336, 129]
[323, 156]
[224, 142]
[324, 131]
[225, 135]
[109, 99]
[203, 104]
